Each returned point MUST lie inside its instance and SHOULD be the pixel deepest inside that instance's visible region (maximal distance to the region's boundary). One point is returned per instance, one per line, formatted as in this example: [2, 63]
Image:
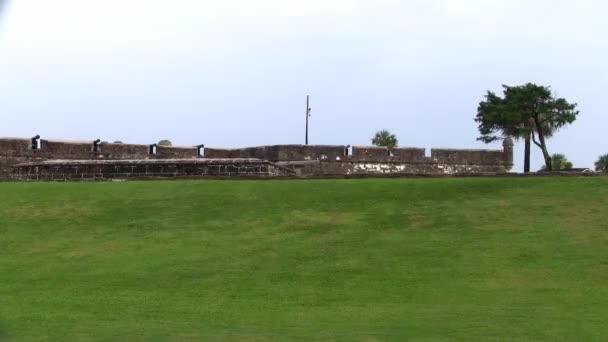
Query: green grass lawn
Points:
[338, 260]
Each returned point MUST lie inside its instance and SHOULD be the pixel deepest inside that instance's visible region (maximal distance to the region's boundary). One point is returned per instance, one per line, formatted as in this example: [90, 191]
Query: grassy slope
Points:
[435, 259]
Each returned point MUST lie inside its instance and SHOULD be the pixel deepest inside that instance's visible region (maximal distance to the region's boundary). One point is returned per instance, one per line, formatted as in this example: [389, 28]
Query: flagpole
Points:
[307, 114]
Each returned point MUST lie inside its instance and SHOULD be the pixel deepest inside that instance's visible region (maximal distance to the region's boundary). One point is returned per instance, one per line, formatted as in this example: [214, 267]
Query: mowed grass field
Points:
[329, 260]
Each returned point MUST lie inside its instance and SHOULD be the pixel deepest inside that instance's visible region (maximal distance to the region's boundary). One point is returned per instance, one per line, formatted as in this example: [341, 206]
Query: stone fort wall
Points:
[81, 170]
[303, 160]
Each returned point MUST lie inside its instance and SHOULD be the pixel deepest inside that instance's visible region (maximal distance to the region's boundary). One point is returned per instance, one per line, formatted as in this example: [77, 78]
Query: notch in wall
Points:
[348, 151]
[200, 151]
[153, 149]
[36, 142]
[96, 145]
[391, 154]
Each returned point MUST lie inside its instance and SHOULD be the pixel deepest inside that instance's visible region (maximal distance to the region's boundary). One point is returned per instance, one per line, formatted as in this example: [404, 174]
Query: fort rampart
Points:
[19, 157]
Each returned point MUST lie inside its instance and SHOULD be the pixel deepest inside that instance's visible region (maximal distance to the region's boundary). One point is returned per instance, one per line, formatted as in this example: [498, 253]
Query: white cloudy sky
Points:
[235, 73]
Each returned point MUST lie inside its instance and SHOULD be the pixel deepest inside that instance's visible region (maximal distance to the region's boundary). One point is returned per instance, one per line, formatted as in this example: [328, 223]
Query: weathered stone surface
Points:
[370, 153]
[349, 168]
[72, 170]
[281, 152]
[408, 154]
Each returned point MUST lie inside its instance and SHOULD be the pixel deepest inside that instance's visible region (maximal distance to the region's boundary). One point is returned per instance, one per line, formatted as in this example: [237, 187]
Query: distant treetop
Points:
[385, 138]
[601, 165]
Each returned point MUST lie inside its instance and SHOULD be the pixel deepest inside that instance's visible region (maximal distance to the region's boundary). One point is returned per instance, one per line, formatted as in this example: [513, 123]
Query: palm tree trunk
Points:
[542, 144]
[527, 154]
[546, 155]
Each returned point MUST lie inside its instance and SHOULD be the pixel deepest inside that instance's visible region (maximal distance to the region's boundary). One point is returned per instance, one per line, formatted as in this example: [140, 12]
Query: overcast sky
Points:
[236, 73]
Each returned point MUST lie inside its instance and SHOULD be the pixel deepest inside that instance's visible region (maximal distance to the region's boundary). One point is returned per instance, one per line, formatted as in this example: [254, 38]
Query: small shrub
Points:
[559, 162]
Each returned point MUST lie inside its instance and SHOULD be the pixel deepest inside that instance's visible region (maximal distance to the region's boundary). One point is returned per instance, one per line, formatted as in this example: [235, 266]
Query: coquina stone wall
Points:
[303, 160]
[83, 170]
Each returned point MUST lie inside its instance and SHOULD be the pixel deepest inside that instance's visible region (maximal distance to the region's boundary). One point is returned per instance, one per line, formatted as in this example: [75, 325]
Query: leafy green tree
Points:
[601, 165]
[385, 138]
[559, 162]
[165, 143]
[524, 111]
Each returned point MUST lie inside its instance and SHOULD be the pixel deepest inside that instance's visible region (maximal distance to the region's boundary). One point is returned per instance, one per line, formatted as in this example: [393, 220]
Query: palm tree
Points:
[601, 165]
[385, 138]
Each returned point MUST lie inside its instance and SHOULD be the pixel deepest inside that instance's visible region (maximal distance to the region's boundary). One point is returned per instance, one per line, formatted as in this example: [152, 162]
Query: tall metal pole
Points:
[307, 115]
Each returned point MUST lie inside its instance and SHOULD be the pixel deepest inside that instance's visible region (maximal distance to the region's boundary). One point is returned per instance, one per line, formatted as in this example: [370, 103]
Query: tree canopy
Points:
[601, 165]
[165, 142]
[523, 111]
[385, 138]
